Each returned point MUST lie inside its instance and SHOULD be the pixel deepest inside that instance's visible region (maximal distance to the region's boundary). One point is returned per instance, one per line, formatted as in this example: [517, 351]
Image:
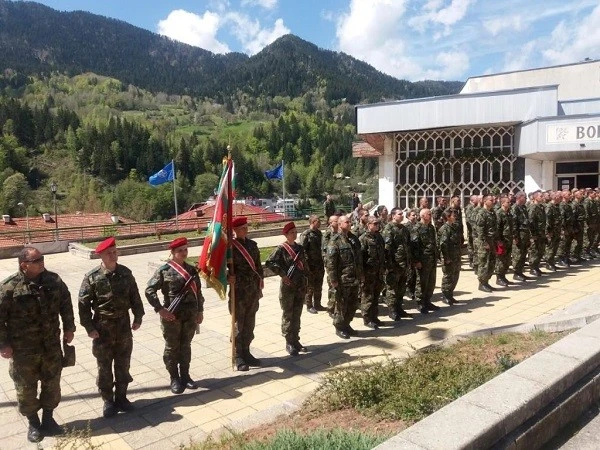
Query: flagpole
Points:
[232, 287]
[283, 187]
[175, 195]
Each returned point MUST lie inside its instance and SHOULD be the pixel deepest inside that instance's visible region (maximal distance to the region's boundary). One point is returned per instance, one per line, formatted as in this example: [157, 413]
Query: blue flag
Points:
[164, 175]
[276, 173]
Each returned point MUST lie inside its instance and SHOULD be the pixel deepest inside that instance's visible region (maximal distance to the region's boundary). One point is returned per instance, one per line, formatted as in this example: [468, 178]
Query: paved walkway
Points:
[243, 399]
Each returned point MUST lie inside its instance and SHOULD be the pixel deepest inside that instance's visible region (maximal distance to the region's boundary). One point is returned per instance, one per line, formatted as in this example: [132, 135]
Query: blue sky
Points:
[408, 39]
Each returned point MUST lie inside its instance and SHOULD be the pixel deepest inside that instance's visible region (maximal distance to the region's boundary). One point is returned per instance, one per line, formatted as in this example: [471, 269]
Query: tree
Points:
[205, 185]
[14, 189]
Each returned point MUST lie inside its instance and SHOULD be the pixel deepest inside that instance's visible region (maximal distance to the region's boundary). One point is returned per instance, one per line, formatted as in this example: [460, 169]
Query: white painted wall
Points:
[533, 175]
[387, 175]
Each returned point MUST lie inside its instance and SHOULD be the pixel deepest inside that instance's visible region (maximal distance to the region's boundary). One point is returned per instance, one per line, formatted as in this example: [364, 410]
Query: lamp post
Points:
[27, 220]
[53, 188]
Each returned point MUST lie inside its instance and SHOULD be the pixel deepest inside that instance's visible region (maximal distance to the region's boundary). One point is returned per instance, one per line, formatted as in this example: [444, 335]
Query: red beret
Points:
[178, 242]
[288, 226]
[239, 221]
[106, 243]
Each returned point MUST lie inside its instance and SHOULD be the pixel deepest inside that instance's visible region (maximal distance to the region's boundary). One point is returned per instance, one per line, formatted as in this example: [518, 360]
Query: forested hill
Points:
[35, 39]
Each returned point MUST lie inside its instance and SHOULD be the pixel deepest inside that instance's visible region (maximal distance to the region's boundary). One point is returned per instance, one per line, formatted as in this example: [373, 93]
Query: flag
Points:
[164, 175]
[212, 263]
[275, 173]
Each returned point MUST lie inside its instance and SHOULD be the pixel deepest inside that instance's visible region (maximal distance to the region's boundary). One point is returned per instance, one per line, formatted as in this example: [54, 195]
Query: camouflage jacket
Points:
[397, 247]
[553, 219]
[327, 235]
[312, 241]
[423, 245]
[504, 221]
[449, 242]
[373, 254]
[591, 211]
[109, 295]
[244, 275]
[437, 216]
[521, 221]
[537, 220]
[459, 220]
[487, 227]
[29, 311]
[344, 260]
[578, 216]
[358, 229]
[567, 216]
[170, 283]
[280, 262]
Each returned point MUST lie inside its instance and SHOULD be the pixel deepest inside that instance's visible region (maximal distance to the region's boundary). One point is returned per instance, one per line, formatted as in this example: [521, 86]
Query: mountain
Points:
[36, 39]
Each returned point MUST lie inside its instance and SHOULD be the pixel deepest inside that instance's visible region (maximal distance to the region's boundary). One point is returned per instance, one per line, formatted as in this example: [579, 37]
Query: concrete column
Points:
[533, 175]
[387, 175]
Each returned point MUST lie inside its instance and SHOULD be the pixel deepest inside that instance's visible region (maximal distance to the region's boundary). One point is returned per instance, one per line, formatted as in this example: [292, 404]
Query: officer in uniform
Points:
[106, 295]
[424, 253]
[537, 225]
[31, 302]
[591, 219]
[288, 261]
[469, 210]
[331, 231]
[411, 276]
[487, 234]
[437, 212]
[505, 225]
[312, 242]
[579, 225]
[449, 237]
[180, 313]
[360, 227]
[398, 263]
[522, 236]
[373, 257]
[568, 223]
[553, 229]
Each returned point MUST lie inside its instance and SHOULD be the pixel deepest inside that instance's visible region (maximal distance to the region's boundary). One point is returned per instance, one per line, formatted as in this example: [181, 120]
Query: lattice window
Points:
[460, 162]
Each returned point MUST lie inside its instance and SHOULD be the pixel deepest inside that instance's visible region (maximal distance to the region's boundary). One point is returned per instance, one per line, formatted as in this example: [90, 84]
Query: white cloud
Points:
[520, 58]
[251, 35]
[267, 4]
[190, 28]
[503, 23]
[436, 14]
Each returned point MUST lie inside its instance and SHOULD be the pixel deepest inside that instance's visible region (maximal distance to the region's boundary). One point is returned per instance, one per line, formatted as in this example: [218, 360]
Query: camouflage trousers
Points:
[113, 347]
[552, 249]
[536, 251]
[519, 254]
[178, 336]
[246, 307]
[486, 261]
[564, 248]
[314, 290]
[470, 242]
[346, 303]
[577, 248]
[589, 237]
[451, 273]
[395, 287]
[27, 370]
[370, 291]
[503, 261]
[425, 281]
[291, 300]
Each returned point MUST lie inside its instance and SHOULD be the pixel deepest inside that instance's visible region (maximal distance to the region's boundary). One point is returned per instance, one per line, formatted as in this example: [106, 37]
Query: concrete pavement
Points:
[241, 400]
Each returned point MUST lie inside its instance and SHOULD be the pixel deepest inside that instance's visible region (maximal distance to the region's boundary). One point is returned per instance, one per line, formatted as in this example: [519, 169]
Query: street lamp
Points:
[53, 188]
[27, 218]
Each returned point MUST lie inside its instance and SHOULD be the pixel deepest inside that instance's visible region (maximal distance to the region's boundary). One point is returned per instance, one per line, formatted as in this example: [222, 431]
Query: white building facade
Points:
[524, 130]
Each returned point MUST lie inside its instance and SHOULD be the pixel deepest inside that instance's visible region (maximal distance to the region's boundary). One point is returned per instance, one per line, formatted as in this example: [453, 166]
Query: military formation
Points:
[368, 259]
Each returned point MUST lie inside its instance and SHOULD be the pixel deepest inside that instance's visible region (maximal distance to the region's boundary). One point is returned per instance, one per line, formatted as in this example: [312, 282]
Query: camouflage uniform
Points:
[411, 273]
[567, 220]
[398, 264]
[449, 242]
[327, 235]
[553, 231]
[522, 235]
[537, 225]
[578, 228]
[469, 209]
[312, 241]
[424, 250]
[344, 266]
[487, 236]
[291, 298]
[591, 219]
[504, 221]
[437, 216]
[29, 323]
[178, 334]
[475, 241]
[108, 296]
[459, 222]
[359, 228]
[373, 257]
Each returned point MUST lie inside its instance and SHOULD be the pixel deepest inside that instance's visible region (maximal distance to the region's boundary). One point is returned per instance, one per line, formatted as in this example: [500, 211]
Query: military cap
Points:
[288, 227]
[239, 221]
[106, 243]
[178, 242]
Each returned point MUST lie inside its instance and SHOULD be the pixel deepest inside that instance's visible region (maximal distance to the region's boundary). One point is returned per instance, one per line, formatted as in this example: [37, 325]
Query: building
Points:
[523, 130]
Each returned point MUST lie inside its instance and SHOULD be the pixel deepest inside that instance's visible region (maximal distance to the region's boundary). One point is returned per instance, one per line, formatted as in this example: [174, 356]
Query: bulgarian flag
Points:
[216, 252]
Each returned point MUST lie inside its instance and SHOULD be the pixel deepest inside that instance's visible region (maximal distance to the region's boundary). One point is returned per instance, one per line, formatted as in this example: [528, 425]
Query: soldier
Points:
[568, 224]
[487, 235]
[521, 235]
[437, 212]
[423, 204]
[373, 257]
[312, 241]
[360, 227]
[411, 276]
[553, 229]
[505, 225]
[328, 207]
[398, 263]
[344, 270]
[455, 207]
[382, 214]
[449, 242]
[288, 261]
[537, 225]
[31, 302]
[105, 297]
[424, 256]
[579, 225]
[592, 213]
[180, 314]
[331, 231]
[469, 209]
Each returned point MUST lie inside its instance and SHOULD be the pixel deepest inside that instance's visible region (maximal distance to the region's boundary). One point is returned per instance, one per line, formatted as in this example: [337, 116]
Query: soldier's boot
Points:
[250, 359]
[34, 431]
[500, 281]
[49, 425]
[121, 401]
[109, 409]
[447, 298]
[311, 309]
[319, 307]
[177, 387]
[186, 379]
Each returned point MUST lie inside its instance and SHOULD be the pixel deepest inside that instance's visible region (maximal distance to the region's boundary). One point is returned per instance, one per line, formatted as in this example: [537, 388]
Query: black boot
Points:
[500, 281]
[109, 409]
[34, 432]
[177, 387]
[250, 359]
[49, 425]
[121, 401]
[241, 364]
[186, 380]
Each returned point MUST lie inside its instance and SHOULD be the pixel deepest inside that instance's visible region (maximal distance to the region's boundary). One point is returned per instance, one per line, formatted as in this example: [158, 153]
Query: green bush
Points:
[336, 439]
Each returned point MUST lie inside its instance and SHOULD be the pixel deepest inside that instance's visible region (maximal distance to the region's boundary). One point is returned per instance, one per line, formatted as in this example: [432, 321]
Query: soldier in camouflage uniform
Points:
[424, 253]
[360, 227]
[521, 235]
[487, 234]
[469, 209]
[437, 212]
[457, 210]
[106, 295]
[553, 229]
[179, 283]
[537, 225]
[398, 264]
[411, 275]
[449, 242]
[579, 225]
[331, 231]
[373, 256]
[344, 270]
[31, 302]
[505, 225]
[312, 241]
[591, 219]
[288, 261]
[567, 220]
